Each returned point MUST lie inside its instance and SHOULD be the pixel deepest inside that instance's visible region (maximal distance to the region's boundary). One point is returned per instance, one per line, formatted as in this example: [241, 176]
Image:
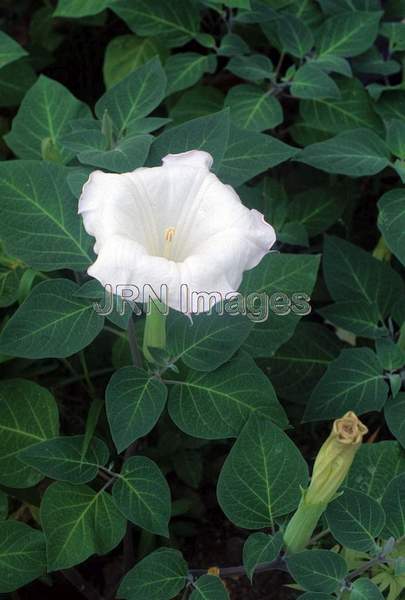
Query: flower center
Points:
[168, 242]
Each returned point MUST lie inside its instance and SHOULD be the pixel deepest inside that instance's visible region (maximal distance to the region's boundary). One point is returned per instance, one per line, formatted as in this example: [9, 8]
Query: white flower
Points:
[177, 226]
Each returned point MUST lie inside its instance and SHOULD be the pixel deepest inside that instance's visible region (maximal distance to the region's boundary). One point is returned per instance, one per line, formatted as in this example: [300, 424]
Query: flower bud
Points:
[331, 467]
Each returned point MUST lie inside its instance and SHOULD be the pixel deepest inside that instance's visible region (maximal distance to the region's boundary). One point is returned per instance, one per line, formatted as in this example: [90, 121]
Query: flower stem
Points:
[155, 329]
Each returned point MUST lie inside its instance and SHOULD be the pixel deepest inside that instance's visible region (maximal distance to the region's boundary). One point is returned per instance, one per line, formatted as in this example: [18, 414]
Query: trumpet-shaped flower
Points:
[176, 226]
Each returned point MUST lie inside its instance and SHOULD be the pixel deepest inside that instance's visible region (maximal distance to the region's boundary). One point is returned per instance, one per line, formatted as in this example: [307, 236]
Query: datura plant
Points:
[202, 328]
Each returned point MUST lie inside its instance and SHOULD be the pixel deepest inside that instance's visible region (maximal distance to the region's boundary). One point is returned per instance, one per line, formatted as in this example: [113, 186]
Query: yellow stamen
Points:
[168, 236]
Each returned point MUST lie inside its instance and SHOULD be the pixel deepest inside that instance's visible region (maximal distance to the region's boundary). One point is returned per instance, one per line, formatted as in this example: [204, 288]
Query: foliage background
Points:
[105, 465]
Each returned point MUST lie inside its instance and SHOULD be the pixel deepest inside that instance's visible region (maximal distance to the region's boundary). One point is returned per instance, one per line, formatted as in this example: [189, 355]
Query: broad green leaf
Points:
[356, 153]
[186, 68]
[78, 522]
[396, 138]
[351, 273]
[126, 154]
[295, 36]
[354, 381]
[9, 285]
[348, 34]
[209, 587]
[318, 570]
[10, 50]
[22, 551]
[334, 64]
[355, 520]
[209, 133]
[391, 105]
[365, 589]
[43, 118]
[208, 341]
[311, 82]
[254, 67]
[299, 364]
[161, 574]
[357, 316]
[390, 354]
[261, 477]
[80, 8]
[253, 108]
[142, 494]
[134, 403]
[393, 503]
[125, 53]
[251, 153]
[15, 80]
[61, 458]
[217, 405]
[278, 294]
[63, 323]
[48, 233]
[200, 101]
[3, 506]
[394, 413]
[391, 221]
[374, 63]
[232, 44]
[135, 96]
[352, 110]
[174, 23]
[28, 415]
[260, 548]
[317, 209]
[374, 466]
[335, 7]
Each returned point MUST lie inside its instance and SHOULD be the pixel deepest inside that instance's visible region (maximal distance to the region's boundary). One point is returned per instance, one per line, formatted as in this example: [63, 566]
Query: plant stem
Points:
[155, 329]
[133, 344]
[277, 563]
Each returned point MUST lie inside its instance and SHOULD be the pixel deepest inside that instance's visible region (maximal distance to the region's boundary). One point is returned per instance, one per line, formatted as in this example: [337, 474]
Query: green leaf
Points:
[80, 8]
[61, 458]
[135, 96]
[209, 133]
[186, 68]
[39, 223]
[9, 285]
[357, 316]
[352, 110]
[161, 574]
[134, 403]
[282, 284]
[354, 381]
[43, 118]
[217, 405]
[63, 323]
[395, 416]
[260, 548]
[28, 415]
[261, 477]
[209, 587]
[10, 50]
[390, 354]
[311, 82]
[393, 503]
[125, 53]
[300, 363]
[395, 138]
[357, 153]
[208, 341]
[254, 67]
[3, 506]
[15, 80]
[78, 522]
[351, 273]
[334, 64]
[318, 570]
[141, 493]
[391, 221]
[355, 520]
[251, 153]
[22, 551]
[374, 466]
[200, 101]
[294, 35]
[348, 34]
[365, 589]
[317, 209]
[174, 23]
[335, 7]
[252, 108]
